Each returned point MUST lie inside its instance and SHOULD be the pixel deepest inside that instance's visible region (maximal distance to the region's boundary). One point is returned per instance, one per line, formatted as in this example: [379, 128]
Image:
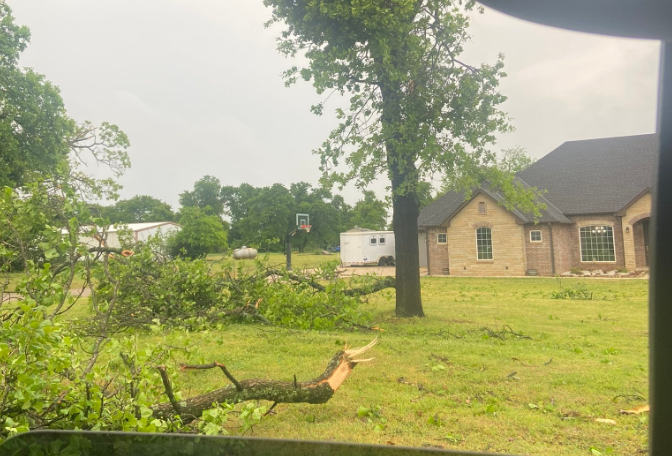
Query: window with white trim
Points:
[441, 238]
[535, 236]
[373, 240]
[381, 240]
[484, 243]
[597, 243]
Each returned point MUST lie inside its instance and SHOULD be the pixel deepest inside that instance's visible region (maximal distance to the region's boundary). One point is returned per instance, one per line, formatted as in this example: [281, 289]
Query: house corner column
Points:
[628, 246]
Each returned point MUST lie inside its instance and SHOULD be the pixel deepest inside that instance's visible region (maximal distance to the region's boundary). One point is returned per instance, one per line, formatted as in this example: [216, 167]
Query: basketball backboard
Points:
[302, 219]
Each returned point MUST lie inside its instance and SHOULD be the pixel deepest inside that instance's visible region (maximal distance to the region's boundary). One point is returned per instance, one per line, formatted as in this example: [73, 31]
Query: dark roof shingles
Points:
[596, 175]
[593, 176]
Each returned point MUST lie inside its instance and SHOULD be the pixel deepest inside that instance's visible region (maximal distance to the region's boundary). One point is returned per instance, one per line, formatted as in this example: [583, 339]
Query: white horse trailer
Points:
[360, 247]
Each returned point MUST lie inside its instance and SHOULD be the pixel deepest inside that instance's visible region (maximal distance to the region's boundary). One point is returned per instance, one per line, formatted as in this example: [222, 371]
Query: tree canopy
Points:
[138, 209]
[206, 195]
[37, 138]
[34, 126]
[425, 196]
[515, 160]
[415, 107]
[200, 234]
[264, 216]
[369, 213]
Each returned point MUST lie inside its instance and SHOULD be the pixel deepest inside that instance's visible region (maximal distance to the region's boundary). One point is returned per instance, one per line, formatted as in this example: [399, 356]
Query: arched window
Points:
[597, 243]
[484, 243]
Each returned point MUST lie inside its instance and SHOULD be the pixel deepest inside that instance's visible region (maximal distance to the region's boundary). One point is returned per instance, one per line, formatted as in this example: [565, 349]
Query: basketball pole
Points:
[288, 252]
[288, 244]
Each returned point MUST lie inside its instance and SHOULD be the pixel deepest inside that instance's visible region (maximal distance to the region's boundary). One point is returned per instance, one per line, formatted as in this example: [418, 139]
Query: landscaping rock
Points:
[597, 272]
[585, 273]
[611, 273]
[566, 274]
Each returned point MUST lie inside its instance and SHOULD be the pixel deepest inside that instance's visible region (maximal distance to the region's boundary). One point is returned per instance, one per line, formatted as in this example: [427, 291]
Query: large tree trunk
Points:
[405, 220]
[316, 391]
[405, 203]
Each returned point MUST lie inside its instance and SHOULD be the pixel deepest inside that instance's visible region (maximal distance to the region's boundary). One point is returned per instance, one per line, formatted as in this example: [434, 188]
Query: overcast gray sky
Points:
[196, 85]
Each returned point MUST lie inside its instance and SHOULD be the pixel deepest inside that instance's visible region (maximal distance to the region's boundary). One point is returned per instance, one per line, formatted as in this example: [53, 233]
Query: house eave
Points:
[623, 211]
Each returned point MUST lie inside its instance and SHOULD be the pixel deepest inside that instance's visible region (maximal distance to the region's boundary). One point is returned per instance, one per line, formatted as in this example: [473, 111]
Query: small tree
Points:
[511, 162]
[515, 160]
[262, 215]
[200, 235]
[206, 195]
[369, 213]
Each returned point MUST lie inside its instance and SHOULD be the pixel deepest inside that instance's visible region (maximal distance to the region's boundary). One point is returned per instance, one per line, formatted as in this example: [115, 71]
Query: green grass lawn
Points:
[495, 366]
[300, 261]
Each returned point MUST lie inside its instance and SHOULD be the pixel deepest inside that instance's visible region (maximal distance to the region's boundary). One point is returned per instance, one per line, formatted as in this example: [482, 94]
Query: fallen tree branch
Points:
[387, 282]
[169, 390]
[316, 391]
[210, 366]
[247, 309]
[301, 279]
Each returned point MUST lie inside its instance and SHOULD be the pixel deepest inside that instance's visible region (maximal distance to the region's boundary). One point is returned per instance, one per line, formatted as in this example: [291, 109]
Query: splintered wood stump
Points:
[316, 391]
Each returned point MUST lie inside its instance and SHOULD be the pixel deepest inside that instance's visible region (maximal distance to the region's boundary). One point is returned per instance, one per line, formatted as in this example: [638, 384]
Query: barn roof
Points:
[139, 226]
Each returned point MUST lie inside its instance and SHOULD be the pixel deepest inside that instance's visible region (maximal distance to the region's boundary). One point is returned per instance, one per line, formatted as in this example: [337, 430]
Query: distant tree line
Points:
[214, 217]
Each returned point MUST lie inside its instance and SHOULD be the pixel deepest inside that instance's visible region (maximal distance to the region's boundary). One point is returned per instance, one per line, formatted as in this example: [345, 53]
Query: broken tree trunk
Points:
[316, 391]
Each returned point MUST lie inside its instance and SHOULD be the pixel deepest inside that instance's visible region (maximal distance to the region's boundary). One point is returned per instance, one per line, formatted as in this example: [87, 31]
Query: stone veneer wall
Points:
[637, 211]
[563, 247]
[437, 254]
[508, 241]
[539, 253]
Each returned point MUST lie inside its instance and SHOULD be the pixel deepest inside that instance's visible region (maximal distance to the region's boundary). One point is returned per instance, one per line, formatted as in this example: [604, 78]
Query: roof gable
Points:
[450, 204]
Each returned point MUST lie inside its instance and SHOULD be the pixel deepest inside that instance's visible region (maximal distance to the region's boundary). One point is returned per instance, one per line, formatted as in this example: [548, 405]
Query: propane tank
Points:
[245, 253]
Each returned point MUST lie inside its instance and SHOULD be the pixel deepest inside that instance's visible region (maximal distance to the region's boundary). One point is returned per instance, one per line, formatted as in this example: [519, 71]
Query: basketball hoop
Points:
[306, 228]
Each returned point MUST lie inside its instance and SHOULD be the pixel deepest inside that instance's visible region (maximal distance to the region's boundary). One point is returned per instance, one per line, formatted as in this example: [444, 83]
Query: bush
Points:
[200, 235]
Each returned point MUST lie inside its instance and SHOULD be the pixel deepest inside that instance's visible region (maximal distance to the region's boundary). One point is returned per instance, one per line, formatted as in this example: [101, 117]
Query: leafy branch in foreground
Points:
[180, 292]
[53, 375]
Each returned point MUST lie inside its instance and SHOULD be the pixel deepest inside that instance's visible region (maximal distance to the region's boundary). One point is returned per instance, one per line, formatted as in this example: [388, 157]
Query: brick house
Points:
[598, 204]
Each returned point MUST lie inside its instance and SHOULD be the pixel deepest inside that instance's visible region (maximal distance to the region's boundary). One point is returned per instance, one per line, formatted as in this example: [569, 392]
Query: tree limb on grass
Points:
[378, 285]
[316, 391]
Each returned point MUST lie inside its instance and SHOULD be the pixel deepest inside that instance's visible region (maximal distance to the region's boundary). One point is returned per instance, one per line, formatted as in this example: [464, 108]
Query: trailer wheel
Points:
[390, 260]
[382, 261]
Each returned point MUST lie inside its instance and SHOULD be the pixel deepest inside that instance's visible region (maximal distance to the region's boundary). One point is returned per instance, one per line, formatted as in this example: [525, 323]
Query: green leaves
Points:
[369, 213]
[373, 416]
[200, 234]
[417, 108]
